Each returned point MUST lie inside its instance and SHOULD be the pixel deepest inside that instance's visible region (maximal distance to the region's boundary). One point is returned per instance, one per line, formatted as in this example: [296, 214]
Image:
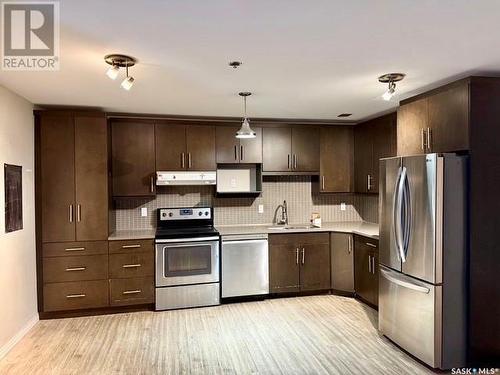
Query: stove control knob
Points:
[200, 213]
[163, 214]
[206, 213]
[170, 214]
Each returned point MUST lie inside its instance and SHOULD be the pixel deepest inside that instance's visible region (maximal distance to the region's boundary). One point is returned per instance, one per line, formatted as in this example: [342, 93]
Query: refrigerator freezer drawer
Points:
[410, 315]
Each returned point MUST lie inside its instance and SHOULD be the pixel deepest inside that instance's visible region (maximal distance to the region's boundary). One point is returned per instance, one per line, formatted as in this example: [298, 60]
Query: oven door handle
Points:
[183, 240]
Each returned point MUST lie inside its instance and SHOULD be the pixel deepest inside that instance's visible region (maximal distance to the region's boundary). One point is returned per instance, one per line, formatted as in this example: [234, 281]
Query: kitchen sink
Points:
[288, 227]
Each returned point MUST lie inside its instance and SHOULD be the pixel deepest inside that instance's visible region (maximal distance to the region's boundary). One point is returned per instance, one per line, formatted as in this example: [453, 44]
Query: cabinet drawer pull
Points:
[73, 269]
[76, 295]
[74, 249]
[132, 291]
[132, 265]
[370, 244]
[131, 246]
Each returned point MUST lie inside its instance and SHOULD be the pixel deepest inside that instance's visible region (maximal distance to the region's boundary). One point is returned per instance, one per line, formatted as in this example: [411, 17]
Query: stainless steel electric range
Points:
[187, 258]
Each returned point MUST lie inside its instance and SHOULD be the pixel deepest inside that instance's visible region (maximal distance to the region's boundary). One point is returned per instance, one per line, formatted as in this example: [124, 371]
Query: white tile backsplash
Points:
[298, 191]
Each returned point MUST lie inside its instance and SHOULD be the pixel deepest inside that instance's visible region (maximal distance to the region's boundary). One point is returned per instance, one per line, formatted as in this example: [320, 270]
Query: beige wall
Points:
[18, 306]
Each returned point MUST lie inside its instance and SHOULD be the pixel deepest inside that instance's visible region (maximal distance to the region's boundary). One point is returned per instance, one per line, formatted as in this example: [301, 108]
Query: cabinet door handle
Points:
[370, 263]
[429, 139]
[73, 269]
[349, 244]
[74, 249]
[370, 244]
[78, 212]
[132, 292]
[235, 152]
[373, 265]
[303, 255]
[152, 184]
[76, 295]
[130, 246]
[322, 182]
[369, 182]
[190, 164]
[132, 265]
[70, 213]
[297, 256]
[294, 161]
[288, 162]
[422, 139]
[241, 153]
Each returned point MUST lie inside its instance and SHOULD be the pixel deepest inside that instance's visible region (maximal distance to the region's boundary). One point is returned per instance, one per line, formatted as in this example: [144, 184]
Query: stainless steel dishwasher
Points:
[245, 265]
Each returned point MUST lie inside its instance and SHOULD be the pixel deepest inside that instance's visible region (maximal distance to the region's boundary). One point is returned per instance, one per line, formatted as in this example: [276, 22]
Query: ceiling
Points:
[301, 59]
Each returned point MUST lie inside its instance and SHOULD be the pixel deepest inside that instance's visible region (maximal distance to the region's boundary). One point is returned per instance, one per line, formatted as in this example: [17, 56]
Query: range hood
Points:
[185, 178]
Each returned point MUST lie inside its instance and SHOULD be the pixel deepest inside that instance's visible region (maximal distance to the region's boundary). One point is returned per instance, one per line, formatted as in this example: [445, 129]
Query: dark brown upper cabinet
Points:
[336, 159]
[435, 122]
[232, 150]
[373, 140]
[181, 147]
[133, 158]
[73, 173]
[291, 149]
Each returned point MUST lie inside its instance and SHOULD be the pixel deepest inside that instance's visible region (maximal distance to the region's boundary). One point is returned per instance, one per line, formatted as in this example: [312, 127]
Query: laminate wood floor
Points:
[304, 335]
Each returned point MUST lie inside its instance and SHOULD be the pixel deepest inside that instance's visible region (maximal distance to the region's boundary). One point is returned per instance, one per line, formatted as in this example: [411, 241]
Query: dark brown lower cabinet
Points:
[366, 269]
[342, 262]
[86, 275]
[299, 262]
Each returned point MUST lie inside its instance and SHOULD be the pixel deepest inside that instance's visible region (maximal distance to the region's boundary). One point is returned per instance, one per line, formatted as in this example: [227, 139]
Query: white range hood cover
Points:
[186, 178]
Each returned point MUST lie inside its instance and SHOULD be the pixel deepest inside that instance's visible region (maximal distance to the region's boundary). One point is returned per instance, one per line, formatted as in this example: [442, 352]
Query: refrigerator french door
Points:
[423, 234]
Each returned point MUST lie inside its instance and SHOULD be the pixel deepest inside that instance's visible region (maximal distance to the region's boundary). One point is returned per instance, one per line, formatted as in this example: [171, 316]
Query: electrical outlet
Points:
[342, 206]
[261, 208]
[144, 211]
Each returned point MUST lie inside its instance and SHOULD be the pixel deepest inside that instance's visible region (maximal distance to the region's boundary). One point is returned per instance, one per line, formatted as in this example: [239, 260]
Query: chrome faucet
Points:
[284, 214]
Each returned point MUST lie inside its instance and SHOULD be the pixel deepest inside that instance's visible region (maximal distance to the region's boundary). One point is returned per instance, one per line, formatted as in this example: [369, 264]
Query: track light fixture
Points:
[390, 79]
[120, 61]
[245, 130]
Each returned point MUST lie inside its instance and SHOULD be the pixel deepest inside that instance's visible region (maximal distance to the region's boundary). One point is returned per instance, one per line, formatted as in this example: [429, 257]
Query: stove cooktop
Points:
[186, 232]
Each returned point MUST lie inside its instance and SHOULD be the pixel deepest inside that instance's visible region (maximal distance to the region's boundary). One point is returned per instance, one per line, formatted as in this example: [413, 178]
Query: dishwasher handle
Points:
[244, 237]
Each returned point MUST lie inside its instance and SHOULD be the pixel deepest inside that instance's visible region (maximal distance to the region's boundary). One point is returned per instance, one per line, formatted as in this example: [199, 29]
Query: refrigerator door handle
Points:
[407, 215]
[398, 213]
[395, 278]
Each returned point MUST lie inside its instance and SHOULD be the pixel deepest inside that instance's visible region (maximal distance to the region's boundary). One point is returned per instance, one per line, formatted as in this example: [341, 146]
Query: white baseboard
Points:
[18, 336]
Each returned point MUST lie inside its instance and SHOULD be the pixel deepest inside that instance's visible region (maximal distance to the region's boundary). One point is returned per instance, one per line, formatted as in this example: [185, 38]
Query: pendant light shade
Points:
[245, 130]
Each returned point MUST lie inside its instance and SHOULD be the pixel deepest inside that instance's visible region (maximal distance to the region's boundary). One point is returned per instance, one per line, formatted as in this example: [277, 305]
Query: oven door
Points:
[187, 261]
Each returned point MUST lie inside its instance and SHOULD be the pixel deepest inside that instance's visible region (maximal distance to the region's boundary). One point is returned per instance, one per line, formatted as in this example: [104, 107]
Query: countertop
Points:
[121, 235]
[357, 227]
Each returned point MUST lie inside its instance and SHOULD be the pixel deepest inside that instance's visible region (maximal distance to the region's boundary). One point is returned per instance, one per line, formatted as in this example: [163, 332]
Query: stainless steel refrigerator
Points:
[423, 241]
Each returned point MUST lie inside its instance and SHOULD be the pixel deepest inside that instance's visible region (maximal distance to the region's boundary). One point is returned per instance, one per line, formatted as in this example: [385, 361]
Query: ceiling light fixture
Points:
[120, 61]
[390, 79]
[245, 130]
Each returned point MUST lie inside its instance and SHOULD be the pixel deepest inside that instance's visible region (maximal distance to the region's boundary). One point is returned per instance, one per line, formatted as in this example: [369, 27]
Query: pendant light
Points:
[390, 79]
[245, 130]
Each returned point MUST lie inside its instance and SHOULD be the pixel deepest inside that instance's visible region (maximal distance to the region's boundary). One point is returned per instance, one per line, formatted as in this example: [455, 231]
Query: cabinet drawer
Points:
[61, 249]
[299, 239]
[131, 291]
[130, 246]
[366, 243]
[75, 295]
[75, 268]
[139, 264]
